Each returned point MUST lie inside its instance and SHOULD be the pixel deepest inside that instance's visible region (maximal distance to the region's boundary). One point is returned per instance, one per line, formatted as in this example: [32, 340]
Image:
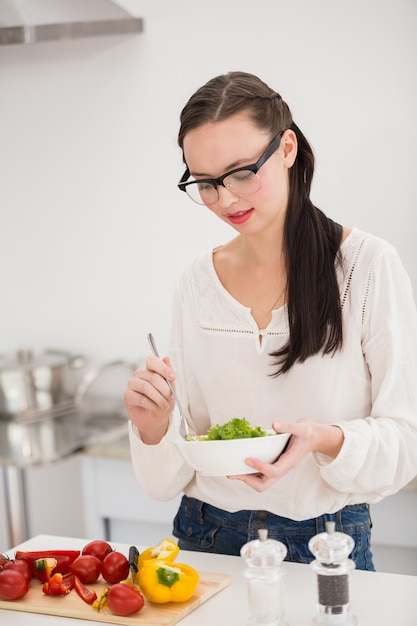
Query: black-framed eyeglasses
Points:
[241, 181]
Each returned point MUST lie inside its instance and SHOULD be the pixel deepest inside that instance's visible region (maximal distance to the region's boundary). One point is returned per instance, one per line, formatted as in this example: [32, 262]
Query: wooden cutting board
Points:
[71, 605]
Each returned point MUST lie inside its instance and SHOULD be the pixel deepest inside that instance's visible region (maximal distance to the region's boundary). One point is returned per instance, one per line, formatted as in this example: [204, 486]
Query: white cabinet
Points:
[117, 508]
[395, 520]
[54, 498]
[394, 534]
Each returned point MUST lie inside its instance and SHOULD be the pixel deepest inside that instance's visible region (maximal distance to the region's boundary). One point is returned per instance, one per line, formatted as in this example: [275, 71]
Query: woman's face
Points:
[216, 148]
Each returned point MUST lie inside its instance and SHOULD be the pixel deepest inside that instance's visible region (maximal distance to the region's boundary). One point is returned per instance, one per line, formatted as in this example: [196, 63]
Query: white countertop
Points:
[377, 599]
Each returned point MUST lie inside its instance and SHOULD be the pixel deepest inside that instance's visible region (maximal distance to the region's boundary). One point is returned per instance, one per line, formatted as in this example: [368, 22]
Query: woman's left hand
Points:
[306, 437]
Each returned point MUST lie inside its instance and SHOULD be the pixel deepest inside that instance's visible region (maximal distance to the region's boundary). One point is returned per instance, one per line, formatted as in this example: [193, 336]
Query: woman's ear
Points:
[289, 147]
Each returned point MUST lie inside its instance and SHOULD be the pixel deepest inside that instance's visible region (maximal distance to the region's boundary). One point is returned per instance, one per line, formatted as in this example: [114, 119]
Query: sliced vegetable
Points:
[125, 599]
[85, 594]
[64, 558]
[166, 550]
[164, 581]
[13, 585]
[59, 584]
[101, 601]
[43, 568]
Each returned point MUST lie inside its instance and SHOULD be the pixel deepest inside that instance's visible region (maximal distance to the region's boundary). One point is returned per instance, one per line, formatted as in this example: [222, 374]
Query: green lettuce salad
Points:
[236, 428]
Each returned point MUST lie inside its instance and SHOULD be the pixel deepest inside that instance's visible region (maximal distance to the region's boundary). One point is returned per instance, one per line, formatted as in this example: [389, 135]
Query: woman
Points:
[296, 322]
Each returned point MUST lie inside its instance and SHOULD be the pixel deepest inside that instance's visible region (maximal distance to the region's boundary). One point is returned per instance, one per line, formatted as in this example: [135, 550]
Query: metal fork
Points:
[183, 424]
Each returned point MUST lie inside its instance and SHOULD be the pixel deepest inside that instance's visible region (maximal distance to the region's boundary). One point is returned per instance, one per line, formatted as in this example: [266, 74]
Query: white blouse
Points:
[369, 388]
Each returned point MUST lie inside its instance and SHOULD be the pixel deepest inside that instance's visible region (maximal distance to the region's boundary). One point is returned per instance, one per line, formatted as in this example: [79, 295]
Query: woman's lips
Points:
[240, 217]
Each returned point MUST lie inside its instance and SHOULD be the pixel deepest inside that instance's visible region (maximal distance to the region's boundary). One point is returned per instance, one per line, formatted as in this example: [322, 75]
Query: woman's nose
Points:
[226, 197]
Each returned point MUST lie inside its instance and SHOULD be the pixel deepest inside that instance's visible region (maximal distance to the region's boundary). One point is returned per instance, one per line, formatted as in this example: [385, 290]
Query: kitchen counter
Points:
[117, 449]
[377, 599]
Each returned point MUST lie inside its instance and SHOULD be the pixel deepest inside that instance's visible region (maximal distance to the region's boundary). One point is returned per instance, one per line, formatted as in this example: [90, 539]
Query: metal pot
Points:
[35, 384]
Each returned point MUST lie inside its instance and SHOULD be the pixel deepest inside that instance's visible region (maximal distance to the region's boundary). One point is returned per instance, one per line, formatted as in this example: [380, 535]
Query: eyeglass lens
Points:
[242, 183]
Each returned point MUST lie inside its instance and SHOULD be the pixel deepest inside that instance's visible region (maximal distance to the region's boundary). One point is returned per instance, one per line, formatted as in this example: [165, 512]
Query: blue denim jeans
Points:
[205, 528]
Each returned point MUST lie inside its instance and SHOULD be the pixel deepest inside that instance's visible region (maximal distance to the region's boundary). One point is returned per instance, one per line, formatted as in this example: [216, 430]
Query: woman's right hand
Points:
[148, 399]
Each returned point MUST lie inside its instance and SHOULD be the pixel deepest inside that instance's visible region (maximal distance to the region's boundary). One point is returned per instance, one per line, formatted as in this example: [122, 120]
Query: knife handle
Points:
[133, 558]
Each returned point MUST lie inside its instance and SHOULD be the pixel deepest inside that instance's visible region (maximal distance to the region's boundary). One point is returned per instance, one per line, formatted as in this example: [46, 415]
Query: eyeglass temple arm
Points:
[185, 177]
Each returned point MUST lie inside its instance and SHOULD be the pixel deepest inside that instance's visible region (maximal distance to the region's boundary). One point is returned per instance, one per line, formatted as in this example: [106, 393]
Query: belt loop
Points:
[194, 508]
[199, 509]
[320, 524]
[339, 521]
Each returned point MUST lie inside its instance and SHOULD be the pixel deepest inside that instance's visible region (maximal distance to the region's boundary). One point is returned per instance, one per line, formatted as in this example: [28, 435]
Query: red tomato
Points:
[13, 584]
[87, 568]
[124, 599]
[115, 567]
[98, 548]
[22, 566]
[3, 560]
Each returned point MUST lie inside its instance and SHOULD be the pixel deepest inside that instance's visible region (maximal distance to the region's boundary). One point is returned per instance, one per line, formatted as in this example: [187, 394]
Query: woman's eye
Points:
[241, 177]
[204, 186]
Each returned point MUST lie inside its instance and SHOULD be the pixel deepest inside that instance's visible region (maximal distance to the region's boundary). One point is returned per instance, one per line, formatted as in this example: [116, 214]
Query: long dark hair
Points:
[311, 240]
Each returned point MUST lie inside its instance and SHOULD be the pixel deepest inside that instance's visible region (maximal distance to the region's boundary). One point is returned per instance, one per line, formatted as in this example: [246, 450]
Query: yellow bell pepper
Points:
[100, 602]
[166, 550]
[163, 581]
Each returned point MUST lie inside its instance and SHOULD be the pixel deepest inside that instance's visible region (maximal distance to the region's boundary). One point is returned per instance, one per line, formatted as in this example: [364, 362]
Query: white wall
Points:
[93, 231]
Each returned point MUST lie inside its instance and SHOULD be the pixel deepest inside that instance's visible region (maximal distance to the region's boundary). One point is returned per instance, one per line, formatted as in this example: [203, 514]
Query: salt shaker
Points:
[332, 565]
[264, 579]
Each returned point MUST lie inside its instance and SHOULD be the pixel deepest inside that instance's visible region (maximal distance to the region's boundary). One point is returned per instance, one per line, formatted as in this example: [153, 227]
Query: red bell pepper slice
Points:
[85, 594]
[64, 560]
[59, 585]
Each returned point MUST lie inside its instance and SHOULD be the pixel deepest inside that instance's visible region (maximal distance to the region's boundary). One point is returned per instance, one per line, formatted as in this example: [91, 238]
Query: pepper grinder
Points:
[264, 580]
[332, 565]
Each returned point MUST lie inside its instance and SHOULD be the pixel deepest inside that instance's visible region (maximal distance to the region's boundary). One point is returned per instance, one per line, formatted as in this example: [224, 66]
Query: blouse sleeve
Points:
[160, 469]
[379, 454]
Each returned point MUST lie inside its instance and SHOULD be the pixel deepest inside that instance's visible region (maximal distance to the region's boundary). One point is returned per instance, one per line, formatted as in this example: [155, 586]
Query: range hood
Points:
[32, 21]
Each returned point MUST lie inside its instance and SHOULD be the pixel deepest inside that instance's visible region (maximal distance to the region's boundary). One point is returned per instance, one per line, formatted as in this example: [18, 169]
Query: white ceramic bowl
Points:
[226, 457]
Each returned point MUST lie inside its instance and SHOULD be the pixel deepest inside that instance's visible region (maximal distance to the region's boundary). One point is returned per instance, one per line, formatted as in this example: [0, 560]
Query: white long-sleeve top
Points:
[368, 388]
